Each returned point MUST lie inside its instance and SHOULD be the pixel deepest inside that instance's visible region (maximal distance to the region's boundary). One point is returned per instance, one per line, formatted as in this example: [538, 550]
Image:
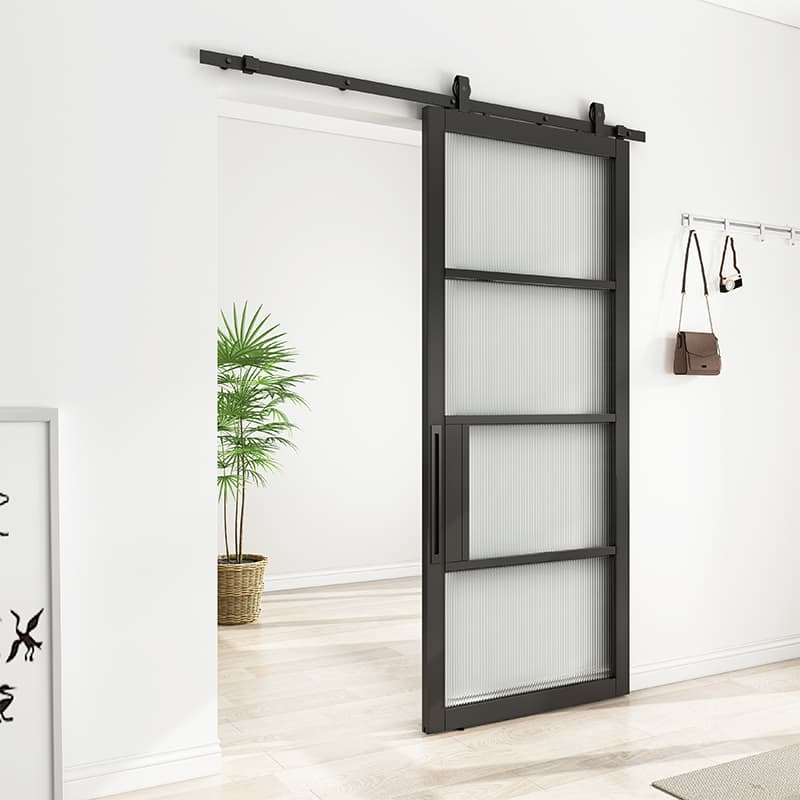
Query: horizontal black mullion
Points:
[519, 705]
[531, 558]
[507, 130]
[528, 419]
[488, 276]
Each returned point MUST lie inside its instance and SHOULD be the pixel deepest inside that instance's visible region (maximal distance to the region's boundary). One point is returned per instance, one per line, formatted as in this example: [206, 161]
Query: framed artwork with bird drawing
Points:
[30, 687]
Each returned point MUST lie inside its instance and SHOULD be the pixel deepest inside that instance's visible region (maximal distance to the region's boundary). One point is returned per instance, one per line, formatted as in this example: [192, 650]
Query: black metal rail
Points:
[544, 557]
[520, 278]
[529, 419]
[459, 99]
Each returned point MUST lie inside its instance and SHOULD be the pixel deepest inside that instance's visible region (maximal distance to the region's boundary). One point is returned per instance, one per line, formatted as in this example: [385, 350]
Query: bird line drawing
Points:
[4, 498]
[6, 699]
[31, 645]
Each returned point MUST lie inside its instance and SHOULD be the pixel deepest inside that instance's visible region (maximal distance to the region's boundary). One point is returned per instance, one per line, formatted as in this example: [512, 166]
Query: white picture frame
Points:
[29, 524]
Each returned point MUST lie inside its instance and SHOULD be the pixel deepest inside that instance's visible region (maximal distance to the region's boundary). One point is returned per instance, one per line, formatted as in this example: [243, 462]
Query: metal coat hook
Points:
[729, 227]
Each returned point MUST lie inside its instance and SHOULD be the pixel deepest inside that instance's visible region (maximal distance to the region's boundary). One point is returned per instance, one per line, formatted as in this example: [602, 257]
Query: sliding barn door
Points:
[525, 418]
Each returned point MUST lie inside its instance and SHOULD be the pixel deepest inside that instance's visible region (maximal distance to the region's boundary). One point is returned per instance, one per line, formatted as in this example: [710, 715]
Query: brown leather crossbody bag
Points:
[696, 353]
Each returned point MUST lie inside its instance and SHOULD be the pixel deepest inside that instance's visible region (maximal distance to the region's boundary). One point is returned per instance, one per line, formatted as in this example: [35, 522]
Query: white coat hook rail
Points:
[762, 230]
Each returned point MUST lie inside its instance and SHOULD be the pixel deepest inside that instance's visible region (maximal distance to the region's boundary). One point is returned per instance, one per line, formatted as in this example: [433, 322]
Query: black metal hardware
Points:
[461, 92]
[437, 471]
[597, 116]
[459, 98]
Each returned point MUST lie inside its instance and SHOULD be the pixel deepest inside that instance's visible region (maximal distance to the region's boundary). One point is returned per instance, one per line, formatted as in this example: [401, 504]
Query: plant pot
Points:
[239, 588]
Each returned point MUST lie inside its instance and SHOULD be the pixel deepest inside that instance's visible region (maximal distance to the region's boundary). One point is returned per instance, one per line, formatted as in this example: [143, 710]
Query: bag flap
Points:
[702, 345]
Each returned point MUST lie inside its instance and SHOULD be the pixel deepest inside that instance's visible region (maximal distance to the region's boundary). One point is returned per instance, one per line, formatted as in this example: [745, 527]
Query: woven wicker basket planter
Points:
[239, 588]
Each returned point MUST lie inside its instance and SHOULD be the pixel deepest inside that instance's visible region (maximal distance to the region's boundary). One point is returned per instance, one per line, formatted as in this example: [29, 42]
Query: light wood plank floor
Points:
[321, 701]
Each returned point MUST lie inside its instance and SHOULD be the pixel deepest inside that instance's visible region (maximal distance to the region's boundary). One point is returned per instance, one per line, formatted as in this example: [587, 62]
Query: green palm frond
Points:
[254, 383]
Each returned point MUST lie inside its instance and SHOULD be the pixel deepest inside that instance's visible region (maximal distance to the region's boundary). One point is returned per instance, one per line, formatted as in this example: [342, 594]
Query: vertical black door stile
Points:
[486, 465]
[432, 419]
[620, 217]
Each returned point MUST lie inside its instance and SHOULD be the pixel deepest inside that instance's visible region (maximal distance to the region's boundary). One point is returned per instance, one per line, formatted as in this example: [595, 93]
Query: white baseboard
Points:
[103, 778]
[330, 577]
[757, 654]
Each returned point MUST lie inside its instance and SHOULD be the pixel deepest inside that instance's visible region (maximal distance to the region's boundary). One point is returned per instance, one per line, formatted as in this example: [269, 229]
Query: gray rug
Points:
[768, 776]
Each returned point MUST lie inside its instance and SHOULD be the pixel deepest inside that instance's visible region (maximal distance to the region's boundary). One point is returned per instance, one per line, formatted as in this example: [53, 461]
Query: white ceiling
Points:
[785, 11]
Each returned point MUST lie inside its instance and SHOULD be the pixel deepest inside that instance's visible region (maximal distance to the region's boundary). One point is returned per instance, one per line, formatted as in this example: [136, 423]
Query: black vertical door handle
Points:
[436, 493]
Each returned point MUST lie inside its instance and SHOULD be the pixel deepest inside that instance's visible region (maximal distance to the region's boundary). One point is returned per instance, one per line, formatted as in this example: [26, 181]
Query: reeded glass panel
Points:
[520, 629]
[534, 488]
[514, 349]
[517, 208]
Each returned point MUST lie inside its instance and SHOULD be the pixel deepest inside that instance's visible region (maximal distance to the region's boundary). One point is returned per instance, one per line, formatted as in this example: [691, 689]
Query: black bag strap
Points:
[693, 235]
[725, 252]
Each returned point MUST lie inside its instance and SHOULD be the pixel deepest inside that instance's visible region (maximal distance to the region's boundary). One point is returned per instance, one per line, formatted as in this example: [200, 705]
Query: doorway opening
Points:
[320, 221]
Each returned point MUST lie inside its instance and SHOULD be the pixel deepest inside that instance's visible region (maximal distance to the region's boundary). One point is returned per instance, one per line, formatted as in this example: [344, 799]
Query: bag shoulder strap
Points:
[693, 235]
[725, 252]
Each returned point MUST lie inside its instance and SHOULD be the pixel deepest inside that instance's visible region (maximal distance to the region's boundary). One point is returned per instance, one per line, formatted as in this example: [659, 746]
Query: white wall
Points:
[108, 295]
[108, 253]
[324, 229]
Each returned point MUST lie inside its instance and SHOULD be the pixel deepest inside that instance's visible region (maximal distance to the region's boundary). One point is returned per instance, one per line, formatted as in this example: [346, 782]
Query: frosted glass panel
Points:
[520, 629]
[525, 349]
[537, 487]
[516, 208]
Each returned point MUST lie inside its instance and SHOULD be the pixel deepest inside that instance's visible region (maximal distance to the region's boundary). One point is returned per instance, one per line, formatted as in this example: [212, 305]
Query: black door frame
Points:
[445, 438]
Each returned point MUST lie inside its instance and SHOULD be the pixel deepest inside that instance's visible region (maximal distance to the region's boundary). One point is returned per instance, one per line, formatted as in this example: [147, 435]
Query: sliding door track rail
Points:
[459, 99]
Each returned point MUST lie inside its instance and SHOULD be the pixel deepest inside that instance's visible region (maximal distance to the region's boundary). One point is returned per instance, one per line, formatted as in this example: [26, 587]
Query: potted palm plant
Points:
[254, 385]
